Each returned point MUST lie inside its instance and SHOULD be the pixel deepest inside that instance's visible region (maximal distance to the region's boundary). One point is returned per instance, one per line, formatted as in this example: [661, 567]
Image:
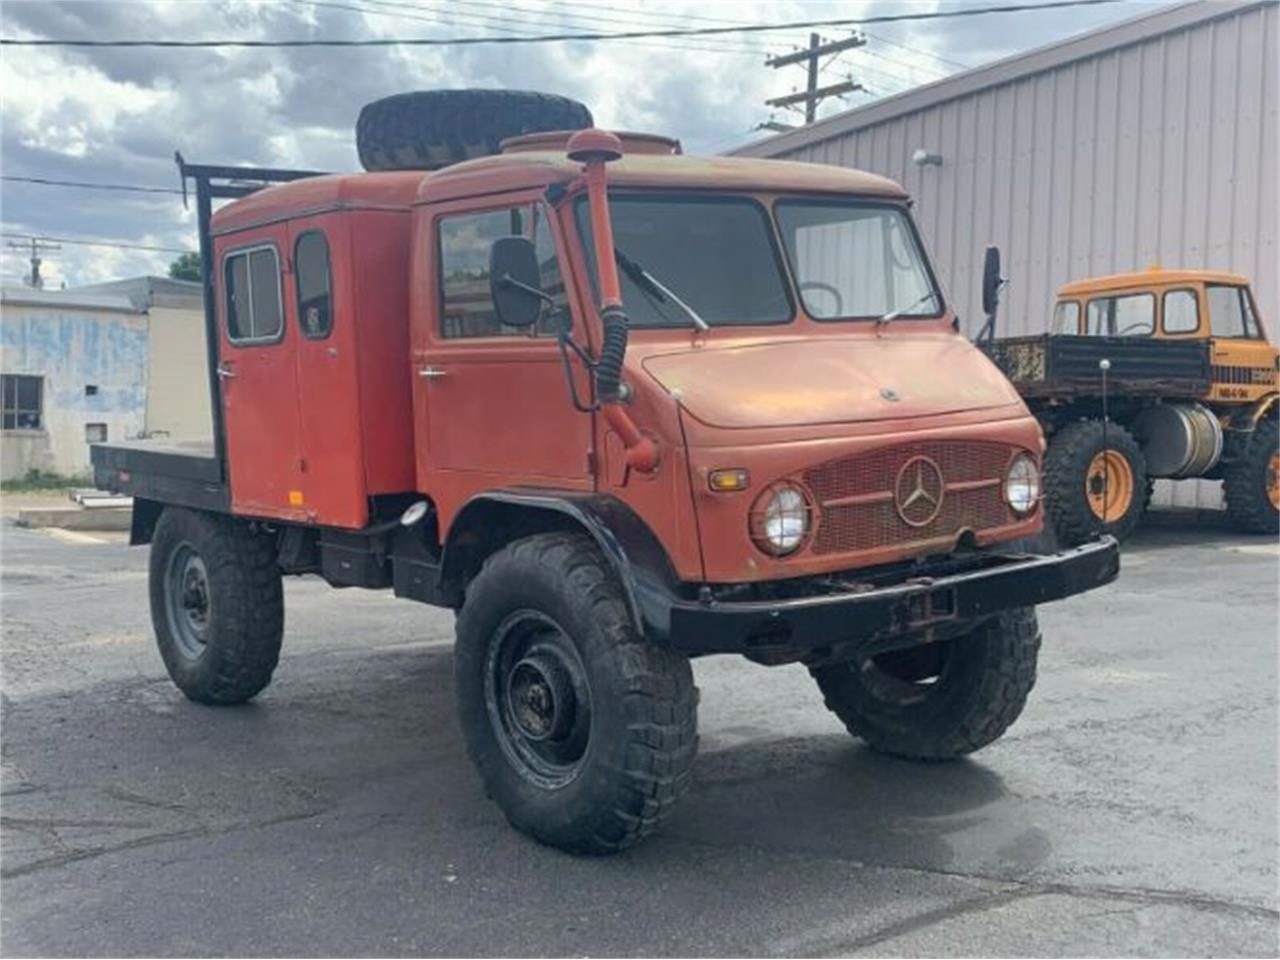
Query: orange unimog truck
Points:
[618, 408]
[1160, 373]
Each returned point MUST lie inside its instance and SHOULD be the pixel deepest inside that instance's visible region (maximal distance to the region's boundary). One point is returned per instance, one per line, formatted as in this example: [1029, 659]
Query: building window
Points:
[1131, 316]
[252, 279]
[315, 291]
[1231, 312]
[1181, 312]
[95, 433]
[466, 306]
[22, 396]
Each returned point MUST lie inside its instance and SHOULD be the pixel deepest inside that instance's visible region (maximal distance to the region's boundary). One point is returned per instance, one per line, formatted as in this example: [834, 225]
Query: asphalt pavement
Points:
[1131, 811]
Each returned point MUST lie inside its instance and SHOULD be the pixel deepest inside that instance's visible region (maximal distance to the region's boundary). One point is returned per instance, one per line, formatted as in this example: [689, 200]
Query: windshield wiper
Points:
[655, 289]
[895, 314]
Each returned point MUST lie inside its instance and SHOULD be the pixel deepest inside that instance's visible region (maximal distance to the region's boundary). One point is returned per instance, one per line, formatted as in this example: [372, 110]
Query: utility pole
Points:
[37, 247]
[813, 94]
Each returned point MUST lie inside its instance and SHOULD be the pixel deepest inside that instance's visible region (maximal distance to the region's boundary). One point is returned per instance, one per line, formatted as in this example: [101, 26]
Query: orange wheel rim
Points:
[1108, 485]
[1273, 480]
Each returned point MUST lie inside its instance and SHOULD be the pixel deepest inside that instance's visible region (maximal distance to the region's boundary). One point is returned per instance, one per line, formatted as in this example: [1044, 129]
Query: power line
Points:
[94, 243]
[488, 22]
[91, 186]
[927, 53]
[557, 37]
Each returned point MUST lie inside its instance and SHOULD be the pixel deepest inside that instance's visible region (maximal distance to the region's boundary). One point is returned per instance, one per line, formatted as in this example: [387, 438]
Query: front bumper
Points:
[869, 616]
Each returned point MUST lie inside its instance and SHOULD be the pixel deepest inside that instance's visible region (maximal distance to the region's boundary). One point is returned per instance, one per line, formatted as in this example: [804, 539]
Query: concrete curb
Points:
[76, 518]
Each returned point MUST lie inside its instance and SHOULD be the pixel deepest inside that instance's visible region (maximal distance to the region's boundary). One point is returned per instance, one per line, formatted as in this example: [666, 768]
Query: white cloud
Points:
[117, 115]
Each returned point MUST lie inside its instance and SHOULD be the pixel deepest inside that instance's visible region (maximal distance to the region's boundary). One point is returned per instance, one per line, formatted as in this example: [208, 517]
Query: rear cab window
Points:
[1066, 317]
[1131, 315]
[251, 281]
[314, 281]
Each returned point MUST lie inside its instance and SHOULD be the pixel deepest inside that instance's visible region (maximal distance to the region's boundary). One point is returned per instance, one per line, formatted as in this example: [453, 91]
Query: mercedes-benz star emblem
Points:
[918, 493]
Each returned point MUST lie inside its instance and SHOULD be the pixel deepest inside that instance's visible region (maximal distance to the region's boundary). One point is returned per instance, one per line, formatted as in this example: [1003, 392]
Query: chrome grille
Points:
[973, 499]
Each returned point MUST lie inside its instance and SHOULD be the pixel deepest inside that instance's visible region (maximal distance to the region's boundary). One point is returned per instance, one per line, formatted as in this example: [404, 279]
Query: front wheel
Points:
[942, 700]
[583, 733]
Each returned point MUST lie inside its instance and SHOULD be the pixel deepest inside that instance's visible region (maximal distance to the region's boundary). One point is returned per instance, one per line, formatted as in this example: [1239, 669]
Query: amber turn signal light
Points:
[727, 481]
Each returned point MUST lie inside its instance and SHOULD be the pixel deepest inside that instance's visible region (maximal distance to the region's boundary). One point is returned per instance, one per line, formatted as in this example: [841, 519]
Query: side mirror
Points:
[515, 282]
[991, 280]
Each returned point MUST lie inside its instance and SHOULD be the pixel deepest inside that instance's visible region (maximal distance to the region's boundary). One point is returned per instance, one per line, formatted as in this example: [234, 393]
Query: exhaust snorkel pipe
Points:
[594, 148]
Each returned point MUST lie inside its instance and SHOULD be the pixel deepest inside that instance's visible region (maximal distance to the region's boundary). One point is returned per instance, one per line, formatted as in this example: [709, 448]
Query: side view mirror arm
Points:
[507, 280]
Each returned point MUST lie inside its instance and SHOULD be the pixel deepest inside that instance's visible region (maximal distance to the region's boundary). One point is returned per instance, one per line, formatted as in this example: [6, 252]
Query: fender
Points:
[492, 519]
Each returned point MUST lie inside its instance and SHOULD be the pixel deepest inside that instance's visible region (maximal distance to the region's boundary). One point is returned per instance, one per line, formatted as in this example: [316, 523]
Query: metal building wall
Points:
[1161, 151]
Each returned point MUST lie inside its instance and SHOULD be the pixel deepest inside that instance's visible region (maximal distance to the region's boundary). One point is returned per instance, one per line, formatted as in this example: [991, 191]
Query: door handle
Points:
[432, 373]
[225, 372]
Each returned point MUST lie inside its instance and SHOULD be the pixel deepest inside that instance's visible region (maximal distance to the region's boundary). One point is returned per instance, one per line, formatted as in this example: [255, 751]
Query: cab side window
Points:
[1066, 317]
[315, 287]
[1231, 313]
[466, 307]
[1181, 312]
[251, 281]
[1129, 316]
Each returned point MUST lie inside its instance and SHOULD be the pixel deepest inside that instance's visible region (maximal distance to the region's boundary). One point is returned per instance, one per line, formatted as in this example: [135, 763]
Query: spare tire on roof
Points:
[430, 129]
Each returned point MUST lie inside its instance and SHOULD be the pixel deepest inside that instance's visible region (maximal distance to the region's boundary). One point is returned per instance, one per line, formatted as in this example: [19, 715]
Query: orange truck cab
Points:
[618, 407]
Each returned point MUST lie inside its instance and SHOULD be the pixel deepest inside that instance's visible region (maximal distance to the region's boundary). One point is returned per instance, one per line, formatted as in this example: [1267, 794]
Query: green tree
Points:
[186, 267]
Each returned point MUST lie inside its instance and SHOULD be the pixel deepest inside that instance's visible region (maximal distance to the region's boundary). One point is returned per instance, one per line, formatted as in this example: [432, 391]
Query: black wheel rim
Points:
[538, 698]
[187, 605]
[909, 676]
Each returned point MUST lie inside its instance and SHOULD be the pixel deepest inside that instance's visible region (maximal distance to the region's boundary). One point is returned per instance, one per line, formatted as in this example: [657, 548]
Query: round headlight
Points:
[780, 519]
[1022, 485]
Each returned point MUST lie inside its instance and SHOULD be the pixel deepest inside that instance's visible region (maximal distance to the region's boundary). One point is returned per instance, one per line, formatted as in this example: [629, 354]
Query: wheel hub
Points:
[187, 601]
[538, 698]
[541, 698]
[1109, 485]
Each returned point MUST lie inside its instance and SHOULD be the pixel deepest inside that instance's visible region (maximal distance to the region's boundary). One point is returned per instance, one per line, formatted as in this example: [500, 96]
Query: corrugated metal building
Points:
[1153, 141]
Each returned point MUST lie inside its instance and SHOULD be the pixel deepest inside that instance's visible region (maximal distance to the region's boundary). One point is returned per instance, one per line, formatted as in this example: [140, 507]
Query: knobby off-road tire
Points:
[583, 733]
[430, 129]
[217, 605]
[1070, 467]
[940, 701]
[1249, 484]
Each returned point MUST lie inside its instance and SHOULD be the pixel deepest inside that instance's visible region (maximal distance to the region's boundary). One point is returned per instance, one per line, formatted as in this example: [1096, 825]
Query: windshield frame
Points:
[902, 207]
[692, 195]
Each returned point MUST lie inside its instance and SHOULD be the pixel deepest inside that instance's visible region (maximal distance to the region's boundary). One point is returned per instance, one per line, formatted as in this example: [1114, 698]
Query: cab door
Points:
[320, 314]
[494, 399]
[258, 376]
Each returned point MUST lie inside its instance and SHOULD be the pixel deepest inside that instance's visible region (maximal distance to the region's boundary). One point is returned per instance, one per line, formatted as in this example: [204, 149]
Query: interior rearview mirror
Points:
[515, 282]
[991, 280]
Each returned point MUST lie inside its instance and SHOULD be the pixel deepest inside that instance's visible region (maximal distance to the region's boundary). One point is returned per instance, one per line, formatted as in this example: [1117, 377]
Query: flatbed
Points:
[1068, 366]
[185, 473]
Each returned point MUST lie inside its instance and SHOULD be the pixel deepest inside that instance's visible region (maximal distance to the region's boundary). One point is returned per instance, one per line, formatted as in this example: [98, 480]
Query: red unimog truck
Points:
[617, 407]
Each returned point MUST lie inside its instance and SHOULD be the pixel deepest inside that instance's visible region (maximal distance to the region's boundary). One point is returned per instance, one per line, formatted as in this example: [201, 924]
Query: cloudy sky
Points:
[117, 115]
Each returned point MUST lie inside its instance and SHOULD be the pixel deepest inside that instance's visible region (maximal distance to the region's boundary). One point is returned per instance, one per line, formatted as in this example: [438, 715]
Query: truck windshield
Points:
[715, 253]
[855, 260]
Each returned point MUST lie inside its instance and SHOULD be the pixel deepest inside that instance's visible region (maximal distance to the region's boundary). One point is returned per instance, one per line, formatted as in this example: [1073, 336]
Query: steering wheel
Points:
[1140, 326]
[826, 288]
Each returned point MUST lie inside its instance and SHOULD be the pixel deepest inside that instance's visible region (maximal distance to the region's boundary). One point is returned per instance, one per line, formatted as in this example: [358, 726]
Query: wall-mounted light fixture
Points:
[923, 158]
